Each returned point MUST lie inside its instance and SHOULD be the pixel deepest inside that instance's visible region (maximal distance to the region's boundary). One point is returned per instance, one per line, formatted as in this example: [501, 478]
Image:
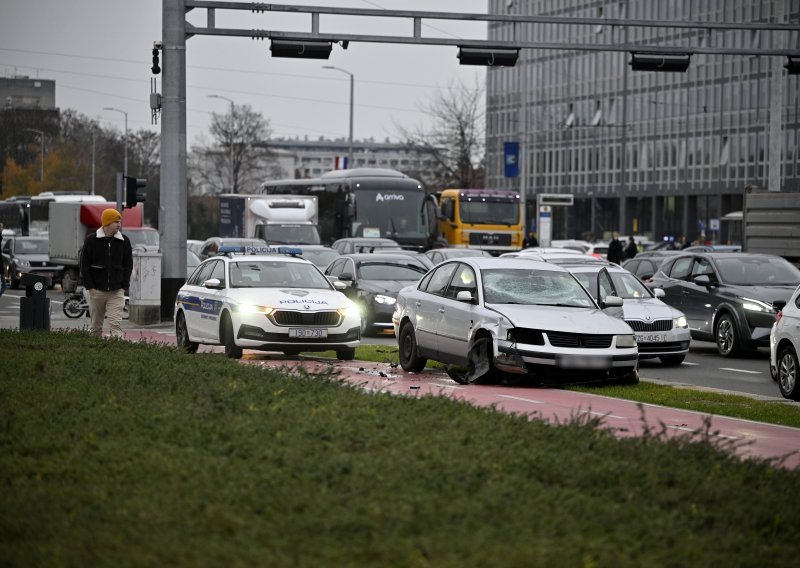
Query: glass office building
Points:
[653, 153]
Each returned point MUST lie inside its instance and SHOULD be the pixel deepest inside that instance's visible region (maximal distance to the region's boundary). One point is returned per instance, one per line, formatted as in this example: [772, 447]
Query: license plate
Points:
[651, 337]
[583, 362]
[307, 333]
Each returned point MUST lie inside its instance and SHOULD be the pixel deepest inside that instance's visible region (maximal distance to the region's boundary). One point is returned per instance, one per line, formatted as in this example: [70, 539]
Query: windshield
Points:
[276, 274]
[758, 271]
[533, 287]
[147, 238]
[391, 271]
[625, 285]
[322, 257]
[288, 234]
[389, 212]
[31, 246]
[490, 212]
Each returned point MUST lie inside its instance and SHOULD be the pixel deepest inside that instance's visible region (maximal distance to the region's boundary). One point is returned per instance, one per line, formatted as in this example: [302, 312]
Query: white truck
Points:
[69, 223]
[277, 219]
[771, 222]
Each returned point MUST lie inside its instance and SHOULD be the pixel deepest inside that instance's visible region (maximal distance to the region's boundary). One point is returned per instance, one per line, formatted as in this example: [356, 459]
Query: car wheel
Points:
[346, 354]
[182, 335]
[672, 360]
[232, 350]
[291, 352]
[409, 355]
[788, 369]
[727, 342]
[11, 281]
[479, 364]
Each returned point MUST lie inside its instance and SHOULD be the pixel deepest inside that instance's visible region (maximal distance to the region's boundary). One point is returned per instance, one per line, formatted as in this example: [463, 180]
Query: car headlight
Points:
[254, 309]
[756, 305]
[626, 341]
[681, 322]
[22, 262]
[349, 311]
[388, 300]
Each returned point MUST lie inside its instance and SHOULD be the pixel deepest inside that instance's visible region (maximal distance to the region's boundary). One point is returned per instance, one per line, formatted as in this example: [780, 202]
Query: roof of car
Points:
[499, 262]
[367, 256]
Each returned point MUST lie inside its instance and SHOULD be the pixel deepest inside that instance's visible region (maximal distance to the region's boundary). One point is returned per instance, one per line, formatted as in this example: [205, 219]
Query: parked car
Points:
[713, 248]
[565, 256]
[192, 262]
[503, 319]
[146, 238]
[268, 302]
[727, 298]
[661, 331]
[194, 246]
[212, 245]
[646, 263]
[784, 345]
[372, 281]
[29, 255]
[412, 253]
[351, 245]
[439, 255]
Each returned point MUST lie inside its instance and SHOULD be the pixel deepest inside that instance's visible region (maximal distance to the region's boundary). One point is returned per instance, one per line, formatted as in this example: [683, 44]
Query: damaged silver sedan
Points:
[503, 320]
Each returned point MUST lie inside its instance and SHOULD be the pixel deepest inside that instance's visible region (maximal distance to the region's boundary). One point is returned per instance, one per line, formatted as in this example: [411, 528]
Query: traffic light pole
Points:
[172, 213]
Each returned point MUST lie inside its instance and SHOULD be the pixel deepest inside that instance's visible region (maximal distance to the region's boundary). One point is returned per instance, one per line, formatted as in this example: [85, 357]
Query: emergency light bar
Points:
[230, 250]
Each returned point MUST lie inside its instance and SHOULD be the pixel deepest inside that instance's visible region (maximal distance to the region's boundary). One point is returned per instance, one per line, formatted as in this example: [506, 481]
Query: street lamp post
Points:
[41, 148]
[233, 189]
[350, 140]
[125, 165]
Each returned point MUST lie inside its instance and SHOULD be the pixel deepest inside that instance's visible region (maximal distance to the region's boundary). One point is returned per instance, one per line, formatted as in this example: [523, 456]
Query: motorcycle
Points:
[76, 304]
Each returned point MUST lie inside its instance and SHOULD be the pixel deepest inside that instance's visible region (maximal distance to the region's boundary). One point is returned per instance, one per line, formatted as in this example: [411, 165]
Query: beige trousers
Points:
[104, 304]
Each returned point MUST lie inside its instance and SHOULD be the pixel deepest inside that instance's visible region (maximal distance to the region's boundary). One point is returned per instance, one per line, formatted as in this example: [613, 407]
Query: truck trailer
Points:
[276, 219]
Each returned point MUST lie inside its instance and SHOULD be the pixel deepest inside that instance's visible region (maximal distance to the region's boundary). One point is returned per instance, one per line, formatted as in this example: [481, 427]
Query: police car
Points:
[267, 299]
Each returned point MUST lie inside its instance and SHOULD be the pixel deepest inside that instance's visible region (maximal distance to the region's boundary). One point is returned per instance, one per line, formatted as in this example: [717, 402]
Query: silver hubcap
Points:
[787, 372]
[725, 335]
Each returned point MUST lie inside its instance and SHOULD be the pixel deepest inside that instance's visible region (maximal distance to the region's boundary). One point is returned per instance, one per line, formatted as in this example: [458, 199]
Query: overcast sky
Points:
[99, 51]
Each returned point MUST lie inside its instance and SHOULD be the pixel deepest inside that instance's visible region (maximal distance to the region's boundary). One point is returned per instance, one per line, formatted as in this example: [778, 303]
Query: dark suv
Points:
[727, 297]
[29, 254]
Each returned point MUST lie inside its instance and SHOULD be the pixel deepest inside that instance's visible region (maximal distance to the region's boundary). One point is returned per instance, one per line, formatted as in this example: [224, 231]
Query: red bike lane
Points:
[622, 417]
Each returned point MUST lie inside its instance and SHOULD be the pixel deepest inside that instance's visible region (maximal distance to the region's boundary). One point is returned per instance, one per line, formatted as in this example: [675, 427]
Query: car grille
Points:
[288, 317]
[657, 325]
[579, 340]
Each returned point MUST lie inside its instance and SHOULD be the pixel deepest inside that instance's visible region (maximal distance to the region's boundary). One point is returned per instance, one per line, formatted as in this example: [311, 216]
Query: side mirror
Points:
[464, 296]
[339, 285]
[346, 277]
[611, 302]
[778, 305]
[659, 292]
[213, 283]
[702, 280]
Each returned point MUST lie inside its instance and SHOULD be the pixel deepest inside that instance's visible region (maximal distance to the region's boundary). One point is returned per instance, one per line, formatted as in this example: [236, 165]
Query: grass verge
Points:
[117, 453]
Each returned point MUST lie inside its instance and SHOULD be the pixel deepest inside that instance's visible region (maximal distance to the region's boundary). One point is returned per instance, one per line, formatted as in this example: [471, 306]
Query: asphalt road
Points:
[703, 367]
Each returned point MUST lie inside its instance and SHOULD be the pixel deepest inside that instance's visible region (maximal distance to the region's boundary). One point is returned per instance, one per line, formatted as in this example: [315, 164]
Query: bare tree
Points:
[239, 142]
[456, 141]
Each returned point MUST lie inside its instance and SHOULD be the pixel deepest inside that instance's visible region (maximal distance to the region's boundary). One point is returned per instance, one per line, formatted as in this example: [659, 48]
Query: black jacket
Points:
[615, 251]
[106, 262]
[631, 250]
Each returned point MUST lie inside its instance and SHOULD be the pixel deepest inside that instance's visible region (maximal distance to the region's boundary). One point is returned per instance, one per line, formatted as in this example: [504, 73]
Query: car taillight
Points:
[779, 316]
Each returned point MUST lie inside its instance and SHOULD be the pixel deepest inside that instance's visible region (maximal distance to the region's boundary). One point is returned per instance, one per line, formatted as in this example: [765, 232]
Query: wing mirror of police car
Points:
[659, 292]
[339, 285]
[213, 283]
[611, 302]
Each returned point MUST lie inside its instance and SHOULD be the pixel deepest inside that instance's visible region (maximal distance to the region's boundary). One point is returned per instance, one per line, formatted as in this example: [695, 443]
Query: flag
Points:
[341, 162]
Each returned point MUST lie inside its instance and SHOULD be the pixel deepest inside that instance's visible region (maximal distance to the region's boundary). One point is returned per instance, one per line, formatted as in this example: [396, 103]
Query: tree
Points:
[456, 139]
[246, 131]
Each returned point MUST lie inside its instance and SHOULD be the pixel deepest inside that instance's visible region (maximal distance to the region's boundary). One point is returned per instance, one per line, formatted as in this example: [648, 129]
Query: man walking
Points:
[106, 266]
[615, 251]
[631, 249]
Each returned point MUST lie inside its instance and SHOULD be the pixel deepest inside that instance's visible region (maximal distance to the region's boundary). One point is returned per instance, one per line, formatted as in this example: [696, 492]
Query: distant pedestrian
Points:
[631, 249]
[530, 241]
[615, 251]
[106, 267]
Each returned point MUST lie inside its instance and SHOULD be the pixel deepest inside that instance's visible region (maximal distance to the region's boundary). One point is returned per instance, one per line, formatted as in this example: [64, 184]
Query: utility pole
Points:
[350, 139]
[125, 165]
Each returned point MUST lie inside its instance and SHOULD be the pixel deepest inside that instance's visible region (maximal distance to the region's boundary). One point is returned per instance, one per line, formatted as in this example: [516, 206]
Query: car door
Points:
[211, 304]
[191, 298]
[700, 302]
[674, 285]
[457, 318]
[428, 305]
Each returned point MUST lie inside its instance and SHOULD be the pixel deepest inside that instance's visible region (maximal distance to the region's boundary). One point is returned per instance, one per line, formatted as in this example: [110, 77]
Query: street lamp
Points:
[352, 78]
[233, 189]
[41, 147]
[125, 166]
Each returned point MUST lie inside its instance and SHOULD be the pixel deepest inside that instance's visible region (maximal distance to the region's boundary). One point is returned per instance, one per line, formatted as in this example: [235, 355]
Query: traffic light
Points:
[132, 194]
[155, 68]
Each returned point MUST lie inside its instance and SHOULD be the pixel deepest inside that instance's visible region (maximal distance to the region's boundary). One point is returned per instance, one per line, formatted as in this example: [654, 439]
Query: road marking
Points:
[740, 370]
[520, 398]
[694, 430]
[690, 363]
[446, 386]
[605, 415]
